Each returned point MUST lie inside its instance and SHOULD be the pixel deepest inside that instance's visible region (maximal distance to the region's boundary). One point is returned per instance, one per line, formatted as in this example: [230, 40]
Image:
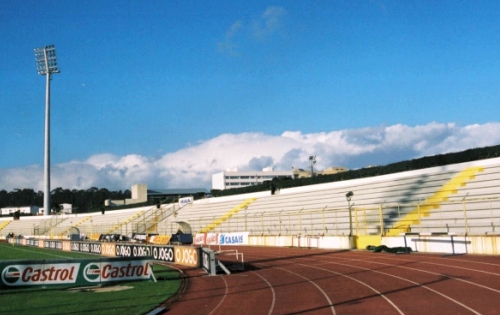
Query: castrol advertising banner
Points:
[73, 272]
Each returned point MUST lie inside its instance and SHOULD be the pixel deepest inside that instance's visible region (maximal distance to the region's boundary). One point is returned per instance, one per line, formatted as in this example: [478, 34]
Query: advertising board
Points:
[108, 249]
[158, 252]
[199, 239]
[233, 238]
[211, 239]
[164, 253]
[208, 261]
[237, 238]
[185, 201]
[73, 272]
[66, 246]
[187, 256]
[182, 255]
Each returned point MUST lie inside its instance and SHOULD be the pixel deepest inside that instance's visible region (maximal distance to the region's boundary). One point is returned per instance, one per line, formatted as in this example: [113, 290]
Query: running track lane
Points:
[311, 281]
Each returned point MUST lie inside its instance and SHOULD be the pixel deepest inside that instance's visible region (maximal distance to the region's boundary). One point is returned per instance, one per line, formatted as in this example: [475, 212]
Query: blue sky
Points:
[170, 92]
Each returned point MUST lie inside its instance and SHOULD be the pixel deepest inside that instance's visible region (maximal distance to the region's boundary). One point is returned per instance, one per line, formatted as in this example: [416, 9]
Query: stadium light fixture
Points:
[312, 161]
[46, 64]
[348, 196]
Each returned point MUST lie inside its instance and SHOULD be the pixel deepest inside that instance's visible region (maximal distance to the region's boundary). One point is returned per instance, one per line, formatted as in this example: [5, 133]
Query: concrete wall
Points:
[480, 245]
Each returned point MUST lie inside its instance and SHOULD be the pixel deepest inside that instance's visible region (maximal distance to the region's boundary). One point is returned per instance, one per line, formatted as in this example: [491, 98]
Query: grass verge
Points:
[143, 297]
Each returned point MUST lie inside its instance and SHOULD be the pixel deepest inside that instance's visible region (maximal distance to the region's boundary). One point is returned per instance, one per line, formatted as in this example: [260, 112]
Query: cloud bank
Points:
[193, 166]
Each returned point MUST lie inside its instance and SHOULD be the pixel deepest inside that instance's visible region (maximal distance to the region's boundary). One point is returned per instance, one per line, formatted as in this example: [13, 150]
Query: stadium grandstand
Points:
[456, 201]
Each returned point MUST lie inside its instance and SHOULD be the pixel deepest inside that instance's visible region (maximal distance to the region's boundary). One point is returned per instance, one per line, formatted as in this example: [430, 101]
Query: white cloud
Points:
[269, 23]
[193, 166]
[228, 45]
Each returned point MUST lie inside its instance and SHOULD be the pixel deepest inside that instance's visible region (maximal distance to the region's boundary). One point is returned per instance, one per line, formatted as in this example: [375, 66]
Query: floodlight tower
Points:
[46, 64]
[312, 161]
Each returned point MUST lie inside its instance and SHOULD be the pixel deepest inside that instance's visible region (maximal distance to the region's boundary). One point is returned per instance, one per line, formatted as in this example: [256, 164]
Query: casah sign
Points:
[73, 272]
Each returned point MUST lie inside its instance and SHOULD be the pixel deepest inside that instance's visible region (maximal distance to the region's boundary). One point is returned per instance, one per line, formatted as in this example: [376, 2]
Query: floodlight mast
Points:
[312, 161]
[46, 64]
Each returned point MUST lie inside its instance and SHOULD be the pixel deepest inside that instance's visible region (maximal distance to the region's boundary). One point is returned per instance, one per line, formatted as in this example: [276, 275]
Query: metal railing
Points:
[468, 216]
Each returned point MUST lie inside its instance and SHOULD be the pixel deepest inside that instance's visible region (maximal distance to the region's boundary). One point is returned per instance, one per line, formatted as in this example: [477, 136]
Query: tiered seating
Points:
[4, 224]
[96, 223]
[433, 202]
[23, 226]
[117, 221]
[473, 210]
[403, 198]
[64, 228]
[323, 209]
[203, 213]
[118, 226]
[461, 198]
[227, 215]
[153, 219]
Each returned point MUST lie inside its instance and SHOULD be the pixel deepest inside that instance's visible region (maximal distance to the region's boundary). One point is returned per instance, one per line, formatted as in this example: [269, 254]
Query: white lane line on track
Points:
[413, 282]
[423, 286]
[451, 277]
[370, 259]
[465, 261]
[272, 290]
[310, 281]
[447, 266]
[432, 273]
[317, 286]
[361, 282]
[223, 297]
[353, 279]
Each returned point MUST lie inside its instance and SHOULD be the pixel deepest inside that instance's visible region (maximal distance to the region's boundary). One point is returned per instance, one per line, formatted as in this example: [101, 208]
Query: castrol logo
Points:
[92, 272]
[19, 275]
[11, 275]
[117, 271]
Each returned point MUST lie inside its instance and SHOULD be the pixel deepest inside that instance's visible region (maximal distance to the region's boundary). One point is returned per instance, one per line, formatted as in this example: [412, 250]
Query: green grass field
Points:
[143, 297]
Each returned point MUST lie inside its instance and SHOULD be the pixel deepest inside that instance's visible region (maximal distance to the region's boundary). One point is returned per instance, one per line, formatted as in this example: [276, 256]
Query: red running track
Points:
[312, 281]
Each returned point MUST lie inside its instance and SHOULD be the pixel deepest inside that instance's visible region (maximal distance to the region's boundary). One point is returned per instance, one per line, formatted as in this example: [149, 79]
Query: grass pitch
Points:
[140, 299]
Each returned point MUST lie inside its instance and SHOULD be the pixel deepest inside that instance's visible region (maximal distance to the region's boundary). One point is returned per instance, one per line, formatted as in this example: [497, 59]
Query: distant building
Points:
[139, 195]
[24, 210]
[66, 208]
[232, 178]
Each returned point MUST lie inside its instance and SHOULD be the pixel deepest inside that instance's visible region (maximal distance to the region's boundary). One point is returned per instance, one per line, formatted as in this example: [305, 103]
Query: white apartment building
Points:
[24, 210]
[234, 179]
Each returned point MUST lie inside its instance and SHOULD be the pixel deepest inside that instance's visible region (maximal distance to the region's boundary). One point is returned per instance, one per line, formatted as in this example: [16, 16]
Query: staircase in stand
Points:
[433, 202]
[227, 215]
